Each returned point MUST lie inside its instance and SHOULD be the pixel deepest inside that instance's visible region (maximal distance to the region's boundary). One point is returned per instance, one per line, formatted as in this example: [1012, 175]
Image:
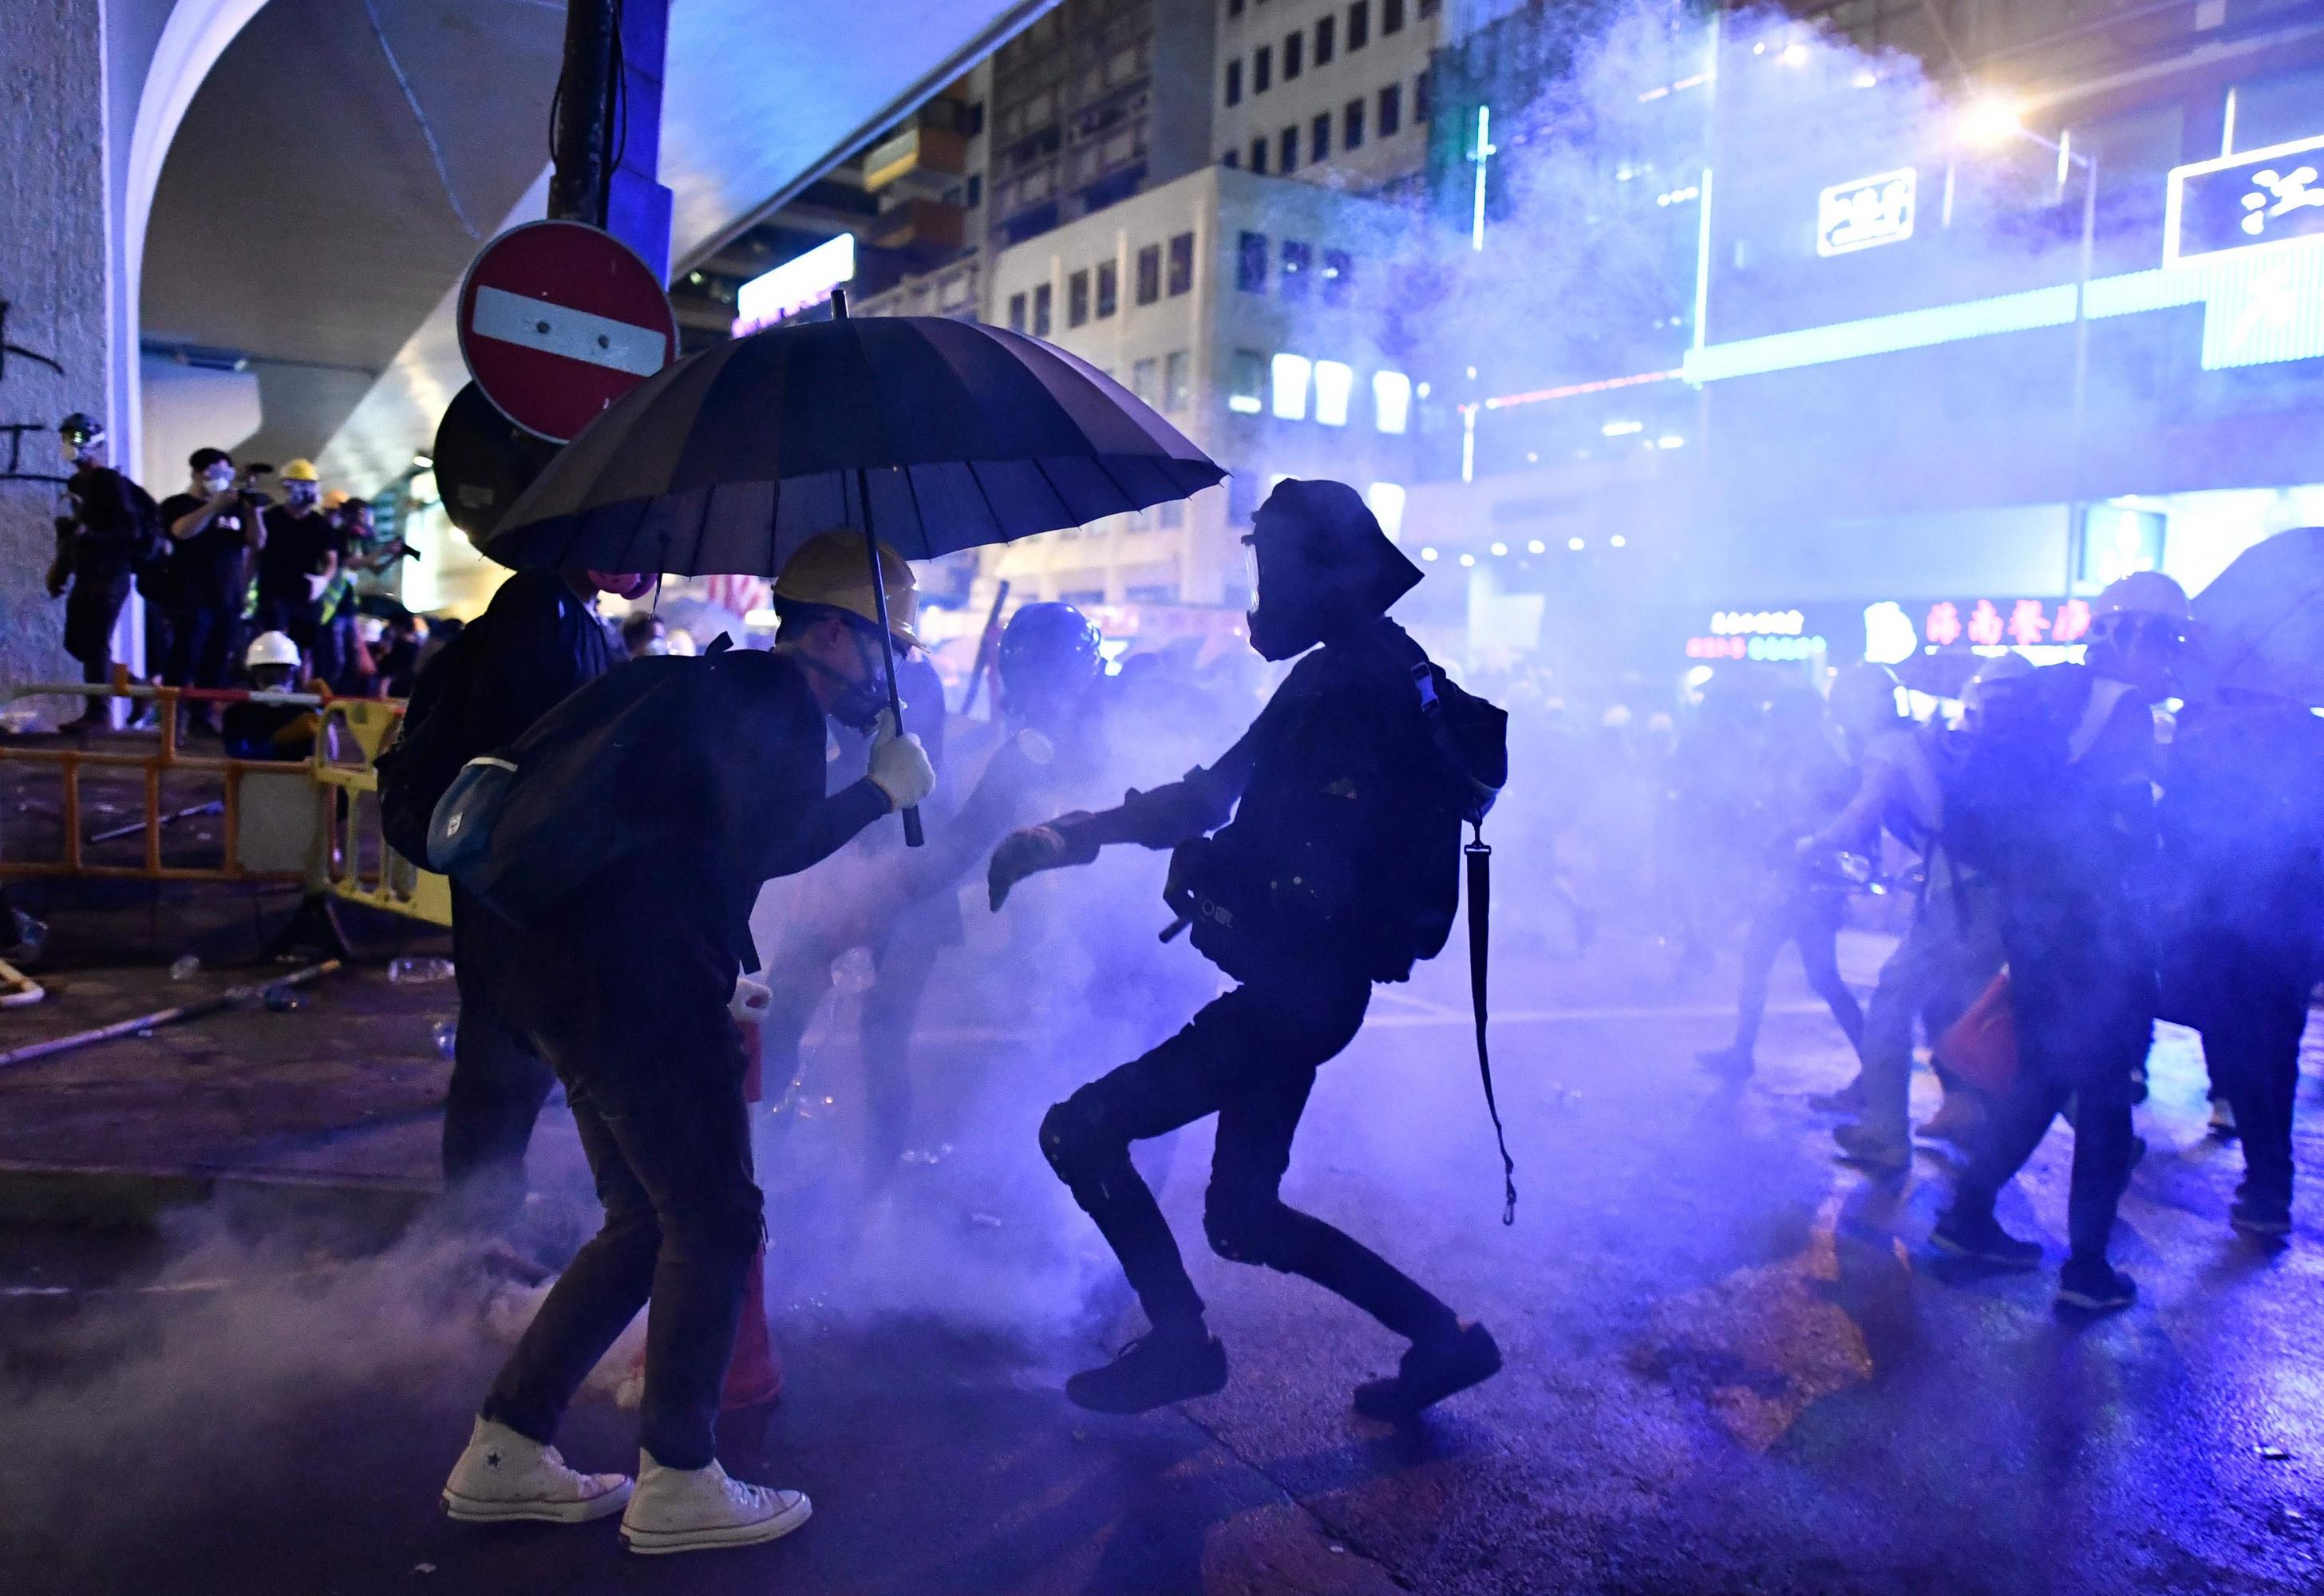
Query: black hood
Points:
[1324, 564]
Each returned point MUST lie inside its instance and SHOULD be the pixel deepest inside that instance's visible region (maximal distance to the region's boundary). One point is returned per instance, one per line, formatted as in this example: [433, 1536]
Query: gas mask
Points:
[1319, 564]
[861, 700]
[218, 481]
[302, 495]
[1281, 619]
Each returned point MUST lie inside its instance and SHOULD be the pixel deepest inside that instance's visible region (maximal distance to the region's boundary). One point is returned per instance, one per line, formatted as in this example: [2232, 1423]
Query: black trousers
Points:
[669, 1141]
[92, 607]
[1249, 1058]
[1810, 921]
[498, 1079]
[201, 644]
[2252, 1008]
[2083, 1028]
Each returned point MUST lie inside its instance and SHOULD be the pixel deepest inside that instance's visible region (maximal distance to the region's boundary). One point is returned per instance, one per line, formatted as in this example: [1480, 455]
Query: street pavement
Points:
[1731, 1366]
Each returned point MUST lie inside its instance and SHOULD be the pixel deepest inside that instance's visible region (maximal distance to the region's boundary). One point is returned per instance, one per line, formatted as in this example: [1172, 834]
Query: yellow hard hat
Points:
[300, 471]
[831, 568]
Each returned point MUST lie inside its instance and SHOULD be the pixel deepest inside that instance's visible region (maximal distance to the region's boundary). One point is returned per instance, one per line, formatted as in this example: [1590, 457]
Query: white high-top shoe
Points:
[691, 1509]
[505, 1475]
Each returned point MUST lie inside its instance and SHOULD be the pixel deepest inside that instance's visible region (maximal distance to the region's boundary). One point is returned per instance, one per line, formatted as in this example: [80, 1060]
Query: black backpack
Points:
[427, 749]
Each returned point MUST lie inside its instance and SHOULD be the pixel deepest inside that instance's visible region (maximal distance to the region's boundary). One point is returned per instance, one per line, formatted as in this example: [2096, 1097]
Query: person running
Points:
[2057, 805]
[1318, 855]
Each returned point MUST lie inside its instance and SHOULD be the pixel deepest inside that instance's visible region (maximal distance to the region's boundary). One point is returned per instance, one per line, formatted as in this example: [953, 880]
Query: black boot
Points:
[1432, 1371]
[1159, 1368]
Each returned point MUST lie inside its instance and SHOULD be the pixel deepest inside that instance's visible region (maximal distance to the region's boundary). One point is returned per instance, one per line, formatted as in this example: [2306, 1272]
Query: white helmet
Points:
[271, 647]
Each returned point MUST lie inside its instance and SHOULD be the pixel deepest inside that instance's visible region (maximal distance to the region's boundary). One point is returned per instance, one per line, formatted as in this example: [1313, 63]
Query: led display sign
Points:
[1867, 212]
[2270, 196]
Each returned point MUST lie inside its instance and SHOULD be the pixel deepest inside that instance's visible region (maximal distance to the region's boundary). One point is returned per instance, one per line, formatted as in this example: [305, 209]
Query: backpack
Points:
[429, 747]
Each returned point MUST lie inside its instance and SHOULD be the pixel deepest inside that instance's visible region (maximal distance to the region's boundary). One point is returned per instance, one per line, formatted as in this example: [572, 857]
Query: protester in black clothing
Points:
[257, 731]
[297, 555]
[2056, 805]
[1334, 864]
[2242, 820]
[537, 642]
[214, 526]
[626, 974]
[100, 536]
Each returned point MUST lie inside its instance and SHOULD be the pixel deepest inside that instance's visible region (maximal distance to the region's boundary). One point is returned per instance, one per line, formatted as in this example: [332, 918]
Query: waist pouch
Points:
[460, 831]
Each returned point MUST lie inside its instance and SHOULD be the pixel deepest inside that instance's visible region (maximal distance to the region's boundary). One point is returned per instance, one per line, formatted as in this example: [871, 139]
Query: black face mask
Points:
[859, 703]
[1284, 620]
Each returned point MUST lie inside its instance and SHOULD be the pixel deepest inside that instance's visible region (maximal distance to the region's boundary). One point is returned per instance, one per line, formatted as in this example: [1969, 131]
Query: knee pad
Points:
[1073, 1137]
[1244, 1230]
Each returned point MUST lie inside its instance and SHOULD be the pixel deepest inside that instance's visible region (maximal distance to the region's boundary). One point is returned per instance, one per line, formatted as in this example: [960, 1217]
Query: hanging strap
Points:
[1478, 854]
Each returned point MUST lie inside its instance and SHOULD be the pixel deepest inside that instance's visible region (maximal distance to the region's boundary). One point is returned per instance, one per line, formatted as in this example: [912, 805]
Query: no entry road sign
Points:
[558, 320]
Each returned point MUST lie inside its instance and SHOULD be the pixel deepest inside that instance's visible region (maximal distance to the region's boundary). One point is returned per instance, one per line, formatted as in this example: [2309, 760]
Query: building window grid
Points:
[1235, 83]
[1352, 125]
[1324, 39]
[1262, 69]
[1293, 48]
[1391, 110]
[1041, 303]
[1338, 276]
[1077, 298]
[1391, 17]
[1299, 261]
[1150, 274]
[1421, 85]
[1288, 145]
[1251, 262]
[1181, 279]
[1319, 137]
[1359, 24]
[1108, 287]
[1258, 154]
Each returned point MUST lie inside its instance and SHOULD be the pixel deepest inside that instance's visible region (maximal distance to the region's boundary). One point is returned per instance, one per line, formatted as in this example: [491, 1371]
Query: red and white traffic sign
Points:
[558, 320]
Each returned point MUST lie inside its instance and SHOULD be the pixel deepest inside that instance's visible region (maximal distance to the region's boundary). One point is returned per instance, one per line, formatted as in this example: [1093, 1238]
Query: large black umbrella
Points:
[931, 435]
[2263, 618]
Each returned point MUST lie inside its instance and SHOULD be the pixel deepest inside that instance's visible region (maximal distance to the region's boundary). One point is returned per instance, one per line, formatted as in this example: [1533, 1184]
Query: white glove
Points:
[899, 765]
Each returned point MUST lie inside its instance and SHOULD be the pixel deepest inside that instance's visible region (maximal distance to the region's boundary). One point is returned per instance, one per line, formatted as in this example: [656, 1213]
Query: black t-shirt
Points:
[208, 569]
[296, 547]
[104, 535]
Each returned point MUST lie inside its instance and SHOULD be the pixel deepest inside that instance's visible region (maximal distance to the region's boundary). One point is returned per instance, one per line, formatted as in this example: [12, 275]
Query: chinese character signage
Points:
[2266, 196]
[1872, 210]
[2021, 622]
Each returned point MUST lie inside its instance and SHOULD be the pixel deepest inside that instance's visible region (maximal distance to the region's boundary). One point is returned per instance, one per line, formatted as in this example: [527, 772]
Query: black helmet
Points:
[1320, 561]
[81, 427]
[1050, 655]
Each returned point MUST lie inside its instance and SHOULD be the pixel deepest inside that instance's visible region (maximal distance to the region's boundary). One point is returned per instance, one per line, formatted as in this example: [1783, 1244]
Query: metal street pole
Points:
[585, 93]
[2074, 508]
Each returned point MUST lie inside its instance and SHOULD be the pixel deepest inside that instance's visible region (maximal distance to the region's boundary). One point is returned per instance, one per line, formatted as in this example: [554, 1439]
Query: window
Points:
[1338, 276]
[1109, 284]
[1234, 82]
[1145, 379]
[1232, 160]
[1016, 313]
[1334, 381]
[1352, 126]
[1251, 262]
[1247, 382]
[1289, 145]
[1262, 69]
[1359, 24]
[1182, 263]
[1177, 381]
[1391, 16]
[1041, 311]
[1392, 117]
[1420, 87]
[1319, 137]
[1173, 515]
[1077, 298]
[1324, 39]
[1234, 7]
[1298, 266]
[1150, 274]
[1293, 44]
[1258, 155]
[1391, 403]
[975, 189]
[1291, 371]
[1387, 502]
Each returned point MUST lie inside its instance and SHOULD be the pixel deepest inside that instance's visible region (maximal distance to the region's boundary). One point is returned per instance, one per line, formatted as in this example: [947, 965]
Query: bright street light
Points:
[1990, 121]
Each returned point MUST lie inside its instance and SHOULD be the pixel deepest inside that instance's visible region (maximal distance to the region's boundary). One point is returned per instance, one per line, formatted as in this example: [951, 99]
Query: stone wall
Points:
[53, 288]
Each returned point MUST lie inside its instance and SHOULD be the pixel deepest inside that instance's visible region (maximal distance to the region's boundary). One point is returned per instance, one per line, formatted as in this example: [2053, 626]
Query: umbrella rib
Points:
[985, 494]
[1054, 492]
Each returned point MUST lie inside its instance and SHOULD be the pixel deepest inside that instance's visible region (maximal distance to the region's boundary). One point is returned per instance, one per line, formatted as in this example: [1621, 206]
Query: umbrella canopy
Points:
[2263, 618]
[960, 434]
[1942, 673]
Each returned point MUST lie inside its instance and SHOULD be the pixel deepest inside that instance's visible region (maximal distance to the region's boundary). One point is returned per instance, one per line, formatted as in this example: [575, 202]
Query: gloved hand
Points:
[1032, 850]
[899, 765]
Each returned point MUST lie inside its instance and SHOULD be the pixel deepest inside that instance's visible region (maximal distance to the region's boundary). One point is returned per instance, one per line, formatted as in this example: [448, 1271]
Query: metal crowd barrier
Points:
[284, 821]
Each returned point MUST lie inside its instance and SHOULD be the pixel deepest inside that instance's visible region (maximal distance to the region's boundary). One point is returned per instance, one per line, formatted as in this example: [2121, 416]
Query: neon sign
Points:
[1762, 646]
[796, 285]
[2235, 202]
[2024, 624]
[1865, 213]
[1757, 623]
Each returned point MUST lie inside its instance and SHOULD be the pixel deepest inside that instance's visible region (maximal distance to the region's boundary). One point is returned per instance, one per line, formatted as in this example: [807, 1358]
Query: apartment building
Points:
[1245, 310]
[1334, 92]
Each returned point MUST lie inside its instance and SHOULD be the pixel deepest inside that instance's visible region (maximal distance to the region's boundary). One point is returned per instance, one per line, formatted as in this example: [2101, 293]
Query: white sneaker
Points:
[691, 1509]
[505, 1475]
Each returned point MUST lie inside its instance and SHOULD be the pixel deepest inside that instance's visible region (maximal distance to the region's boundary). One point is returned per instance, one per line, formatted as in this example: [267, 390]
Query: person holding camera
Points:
[299, 553]
[214, 528]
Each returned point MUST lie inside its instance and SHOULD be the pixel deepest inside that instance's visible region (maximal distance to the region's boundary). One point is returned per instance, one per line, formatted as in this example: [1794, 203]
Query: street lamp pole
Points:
[2074, 506]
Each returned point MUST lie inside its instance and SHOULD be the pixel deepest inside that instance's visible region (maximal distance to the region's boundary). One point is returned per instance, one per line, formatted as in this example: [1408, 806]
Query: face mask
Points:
[218, 482]
[302, 494]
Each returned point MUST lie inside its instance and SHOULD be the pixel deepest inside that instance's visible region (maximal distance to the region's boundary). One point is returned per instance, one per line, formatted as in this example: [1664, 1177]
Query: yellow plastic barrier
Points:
[392, 882]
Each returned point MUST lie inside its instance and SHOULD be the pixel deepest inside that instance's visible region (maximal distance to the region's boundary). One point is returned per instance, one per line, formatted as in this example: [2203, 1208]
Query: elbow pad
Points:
[1192, 806]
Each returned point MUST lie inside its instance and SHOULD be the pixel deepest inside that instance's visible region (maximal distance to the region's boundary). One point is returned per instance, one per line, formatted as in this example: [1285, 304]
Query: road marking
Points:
[577, 335]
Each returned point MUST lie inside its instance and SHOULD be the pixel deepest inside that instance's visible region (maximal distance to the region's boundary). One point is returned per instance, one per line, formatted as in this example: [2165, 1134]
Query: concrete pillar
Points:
[54, 284]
